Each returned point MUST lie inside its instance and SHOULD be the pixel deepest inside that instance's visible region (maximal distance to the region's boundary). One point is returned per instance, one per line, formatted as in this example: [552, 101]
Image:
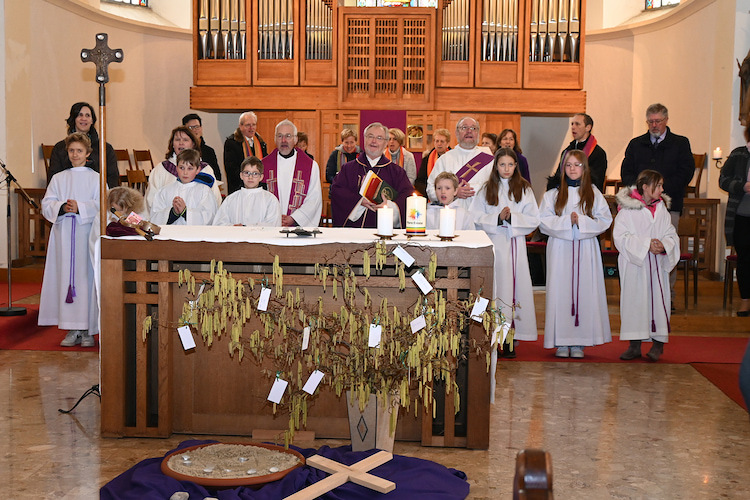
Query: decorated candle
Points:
[447, 222]
[385, 221]
[717, 154]
[416, 214]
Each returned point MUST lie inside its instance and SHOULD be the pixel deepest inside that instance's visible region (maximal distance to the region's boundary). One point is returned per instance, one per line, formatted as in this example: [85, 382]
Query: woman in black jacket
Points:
[82, 119]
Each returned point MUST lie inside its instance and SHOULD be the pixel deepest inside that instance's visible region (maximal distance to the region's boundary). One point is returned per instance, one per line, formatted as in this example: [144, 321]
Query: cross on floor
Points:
[340, 474]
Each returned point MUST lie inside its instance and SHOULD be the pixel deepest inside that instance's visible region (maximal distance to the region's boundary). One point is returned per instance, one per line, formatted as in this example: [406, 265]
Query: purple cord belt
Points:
[72, 279]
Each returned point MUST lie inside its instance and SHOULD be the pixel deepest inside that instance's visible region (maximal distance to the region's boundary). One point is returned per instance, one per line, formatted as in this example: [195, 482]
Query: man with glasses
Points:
[471, 164]
[351, 209]
[661, 150]
[195, 124]
[243, 143]
[294, 178]
[580, 128]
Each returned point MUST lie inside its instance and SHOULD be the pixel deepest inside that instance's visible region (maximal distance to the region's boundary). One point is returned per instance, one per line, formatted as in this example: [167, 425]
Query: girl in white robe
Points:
[446, 188]
[187, 202]
[649, 249]
[505, 208]
[70, 204]
[251, 205]
[573, 215]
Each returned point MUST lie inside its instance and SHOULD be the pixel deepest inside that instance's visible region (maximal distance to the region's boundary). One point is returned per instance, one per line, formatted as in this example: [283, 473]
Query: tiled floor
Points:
[614, 431]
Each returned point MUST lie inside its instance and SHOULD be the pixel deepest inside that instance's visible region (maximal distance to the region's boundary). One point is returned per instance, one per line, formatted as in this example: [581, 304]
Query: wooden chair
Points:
[47, 154]
[326, 219]
[730, 264]
[613, 183]
[142, 156]
[123, 156]
[688, 229]
[695, 185]
[536, 244]
[137, 180]
[533, 478]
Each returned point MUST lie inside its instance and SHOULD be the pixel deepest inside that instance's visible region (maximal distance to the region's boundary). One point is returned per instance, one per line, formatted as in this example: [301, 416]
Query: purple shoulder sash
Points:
[300, 179]
[468, 171]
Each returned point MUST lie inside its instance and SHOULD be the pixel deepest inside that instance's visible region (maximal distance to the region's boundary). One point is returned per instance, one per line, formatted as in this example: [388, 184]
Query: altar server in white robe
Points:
[505, 208]
[446, 187]
[187, 202]
[573, 215]
[294, 178]
[70, 204]
[649, 249]
[165, 173]
[252, 205]
[471, 164]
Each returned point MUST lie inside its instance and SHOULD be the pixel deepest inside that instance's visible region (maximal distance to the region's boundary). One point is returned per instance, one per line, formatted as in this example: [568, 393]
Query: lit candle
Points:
[447, 222]
[385, 221]
[416, 214]
[717, 154]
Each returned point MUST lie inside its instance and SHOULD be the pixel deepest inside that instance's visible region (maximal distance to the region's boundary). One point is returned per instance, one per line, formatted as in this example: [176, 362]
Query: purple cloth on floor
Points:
[415, 478]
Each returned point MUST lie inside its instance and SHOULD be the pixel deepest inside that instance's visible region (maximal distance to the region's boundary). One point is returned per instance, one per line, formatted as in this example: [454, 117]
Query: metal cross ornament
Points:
[101, 55]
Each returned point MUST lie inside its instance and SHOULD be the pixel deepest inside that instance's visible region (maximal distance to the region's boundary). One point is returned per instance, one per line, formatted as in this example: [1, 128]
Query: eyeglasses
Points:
[285, 136]
[194, 127]
[380, 138]
[573, 165]
[250, 174]
[656, 122]
[464, 128]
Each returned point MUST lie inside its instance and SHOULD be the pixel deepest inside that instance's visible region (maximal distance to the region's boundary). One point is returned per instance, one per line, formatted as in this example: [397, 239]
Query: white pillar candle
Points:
[416, 214]
[717, 154]
[385, 221]
[447, 222]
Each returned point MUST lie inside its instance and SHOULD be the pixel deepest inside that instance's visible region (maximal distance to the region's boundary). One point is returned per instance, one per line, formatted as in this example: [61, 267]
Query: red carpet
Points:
[20, 291]
[22, 332]
[679, 350]
[724, 376]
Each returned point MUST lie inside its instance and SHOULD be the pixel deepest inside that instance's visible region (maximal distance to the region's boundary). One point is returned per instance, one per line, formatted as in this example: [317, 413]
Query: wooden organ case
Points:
[319, 62]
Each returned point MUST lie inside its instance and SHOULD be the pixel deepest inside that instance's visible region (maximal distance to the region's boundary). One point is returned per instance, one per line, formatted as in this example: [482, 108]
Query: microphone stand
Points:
[10, 310]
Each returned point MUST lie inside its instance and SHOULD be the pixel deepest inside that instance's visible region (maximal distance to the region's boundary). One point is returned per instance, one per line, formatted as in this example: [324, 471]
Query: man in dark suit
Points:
[243, 143]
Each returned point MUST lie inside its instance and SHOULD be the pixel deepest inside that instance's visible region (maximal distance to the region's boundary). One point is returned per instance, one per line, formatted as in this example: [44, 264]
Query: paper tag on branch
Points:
[313, 381]
[265, 296]
[479, 307]
[418, 323]
[422, 282]
[376, 331]
[305, 337]
[403, 256]
[186, 337]
[277, 391]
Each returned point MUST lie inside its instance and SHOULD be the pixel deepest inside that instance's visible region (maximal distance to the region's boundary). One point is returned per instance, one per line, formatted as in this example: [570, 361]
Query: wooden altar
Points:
[155, 388]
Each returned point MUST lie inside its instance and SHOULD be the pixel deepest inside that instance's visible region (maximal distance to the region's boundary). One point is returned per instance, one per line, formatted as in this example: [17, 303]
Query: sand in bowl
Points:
[231, 461]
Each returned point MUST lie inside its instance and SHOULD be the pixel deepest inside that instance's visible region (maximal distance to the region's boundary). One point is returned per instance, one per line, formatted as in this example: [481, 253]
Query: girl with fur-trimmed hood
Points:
[649, 249]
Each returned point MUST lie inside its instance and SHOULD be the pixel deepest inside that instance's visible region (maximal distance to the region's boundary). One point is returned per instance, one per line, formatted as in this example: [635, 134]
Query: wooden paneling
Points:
[33, 228]
[548, 102]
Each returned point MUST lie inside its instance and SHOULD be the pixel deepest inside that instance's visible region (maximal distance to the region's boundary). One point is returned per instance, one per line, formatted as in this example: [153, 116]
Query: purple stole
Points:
[589, 146]
[468, 171]
[300, 179]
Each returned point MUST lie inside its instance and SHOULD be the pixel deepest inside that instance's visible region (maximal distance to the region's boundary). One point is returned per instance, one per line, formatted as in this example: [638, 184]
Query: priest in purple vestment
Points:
[349, 208]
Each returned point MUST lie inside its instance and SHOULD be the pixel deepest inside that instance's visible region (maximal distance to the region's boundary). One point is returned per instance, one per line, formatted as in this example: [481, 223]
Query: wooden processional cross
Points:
[102, 55]
[357, 473]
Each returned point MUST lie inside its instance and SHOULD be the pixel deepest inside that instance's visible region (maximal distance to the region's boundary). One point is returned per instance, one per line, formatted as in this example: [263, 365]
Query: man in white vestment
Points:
[294, 178]
[471, 164]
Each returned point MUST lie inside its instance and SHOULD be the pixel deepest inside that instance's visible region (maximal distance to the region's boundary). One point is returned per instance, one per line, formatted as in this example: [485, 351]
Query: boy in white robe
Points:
[446, 188]
[649, 249]
[251, 205]
[507, 217]
[70, 204]
[576, 310]
[189, 201]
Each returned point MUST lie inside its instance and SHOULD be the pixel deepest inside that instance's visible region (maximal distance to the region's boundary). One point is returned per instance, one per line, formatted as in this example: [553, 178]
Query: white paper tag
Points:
[418, 323]
[403, 256]
[313, 381]
[265, 296]
[305, 337]
[422, 282]
[479, 307]
[505, 328]
[376, 331]
[186, 337]
[277, 391]
[493, 343]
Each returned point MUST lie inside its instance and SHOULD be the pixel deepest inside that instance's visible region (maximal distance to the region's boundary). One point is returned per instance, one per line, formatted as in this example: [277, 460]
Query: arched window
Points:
[658, 4]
